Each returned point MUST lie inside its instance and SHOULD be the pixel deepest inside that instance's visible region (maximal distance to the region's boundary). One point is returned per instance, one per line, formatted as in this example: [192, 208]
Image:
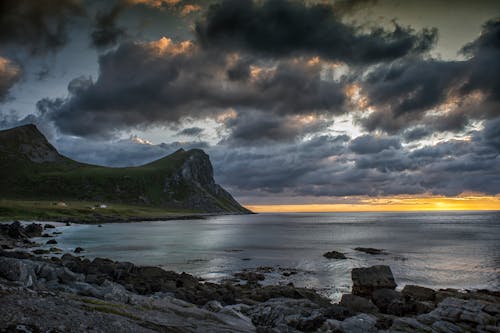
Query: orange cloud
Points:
[188, 9]
[165, 45]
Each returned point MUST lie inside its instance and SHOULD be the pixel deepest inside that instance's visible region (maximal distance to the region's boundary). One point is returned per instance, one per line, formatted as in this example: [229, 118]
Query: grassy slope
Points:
[84, 212]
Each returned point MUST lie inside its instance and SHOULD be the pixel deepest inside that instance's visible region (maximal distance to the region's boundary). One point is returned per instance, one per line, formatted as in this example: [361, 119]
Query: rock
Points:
[419, 293]
[78, 249]
[382, 298]
[370, 250]
[40, 251]
[52, 241]
[249, 276]
[33, 230]
[410, 325]
[366, 280]
[15, 230]
[46, 236]
[21, 271]
[48, 226]
[334, 255]
[286, 315]
[55, 250]
[358, 304]
[362, 323]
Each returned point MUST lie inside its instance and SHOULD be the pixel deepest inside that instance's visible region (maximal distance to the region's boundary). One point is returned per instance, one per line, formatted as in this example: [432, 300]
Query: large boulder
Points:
[33, 230]
[419, 293]
[334, 255]
[383, 298]
[21, 271]
[367, 279]
[358, 304]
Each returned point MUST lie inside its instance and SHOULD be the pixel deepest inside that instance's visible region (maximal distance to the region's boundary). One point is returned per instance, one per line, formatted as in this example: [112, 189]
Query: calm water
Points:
[452, 249]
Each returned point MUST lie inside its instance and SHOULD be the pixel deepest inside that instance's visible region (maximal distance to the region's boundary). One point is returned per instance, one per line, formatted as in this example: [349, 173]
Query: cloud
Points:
[251, 127]
[443, 95]
[284, 28]
[10, 74]
[106, 32]
[40, 26]
[369, 144]
[191, 131]
[144, 84]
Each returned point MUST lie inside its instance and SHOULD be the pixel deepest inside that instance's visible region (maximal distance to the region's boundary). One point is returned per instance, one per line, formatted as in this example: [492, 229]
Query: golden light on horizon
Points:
[387, 204]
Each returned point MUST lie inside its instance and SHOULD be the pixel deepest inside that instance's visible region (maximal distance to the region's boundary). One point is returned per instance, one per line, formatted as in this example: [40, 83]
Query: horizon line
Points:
[388, 204]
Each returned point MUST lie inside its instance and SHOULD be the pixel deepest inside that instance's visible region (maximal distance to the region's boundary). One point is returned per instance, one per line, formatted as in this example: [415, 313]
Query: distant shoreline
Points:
[84, 212]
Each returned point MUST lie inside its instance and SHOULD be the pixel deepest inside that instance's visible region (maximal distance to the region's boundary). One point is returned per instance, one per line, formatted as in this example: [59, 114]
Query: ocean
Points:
[434, 249]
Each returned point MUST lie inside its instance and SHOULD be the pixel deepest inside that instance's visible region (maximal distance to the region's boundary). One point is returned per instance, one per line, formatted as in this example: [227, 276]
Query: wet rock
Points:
[249, 276]
[48, 226]
[46, 236]
[370, 250]
[334, 255]
[33, 230]
[358, 304]
[16, 231]
[52, 241]
[55, 250]
[382, 298]
[78, 249]
[41, 251]
[366, 280]
[419, 293]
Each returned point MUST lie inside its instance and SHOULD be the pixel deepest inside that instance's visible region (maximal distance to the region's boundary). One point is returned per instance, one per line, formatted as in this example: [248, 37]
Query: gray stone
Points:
[358, 304]
[362, 323]
[419, 293]
[382, 298]
[21, 271]
[409, 325]
[367, 279]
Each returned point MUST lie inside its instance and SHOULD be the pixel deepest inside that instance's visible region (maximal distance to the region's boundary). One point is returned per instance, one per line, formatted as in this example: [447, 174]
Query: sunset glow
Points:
[386, 204]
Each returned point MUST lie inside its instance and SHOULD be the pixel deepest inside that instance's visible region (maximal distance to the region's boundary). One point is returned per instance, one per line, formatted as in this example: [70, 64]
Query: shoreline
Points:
[84, 212]
[77, 294]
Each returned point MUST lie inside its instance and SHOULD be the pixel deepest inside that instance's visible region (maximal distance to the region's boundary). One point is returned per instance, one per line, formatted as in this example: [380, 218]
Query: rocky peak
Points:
[27, 142]
[197, 168]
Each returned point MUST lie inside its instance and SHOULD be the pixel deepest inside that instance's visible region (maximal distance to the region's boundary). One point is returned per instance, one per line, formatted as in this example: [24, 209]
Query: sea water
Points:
[434, 249]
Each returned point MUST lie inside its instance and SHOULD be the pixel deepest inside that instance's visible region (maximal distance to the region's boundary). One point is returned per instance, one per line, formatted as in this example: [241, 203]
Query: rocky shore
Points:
[69, 293]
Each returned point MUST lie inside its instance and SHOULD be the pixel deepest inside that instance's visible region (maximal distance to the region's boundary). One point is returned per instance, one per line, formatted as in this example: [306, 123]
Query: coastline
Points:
[77, 294]
[83, 212]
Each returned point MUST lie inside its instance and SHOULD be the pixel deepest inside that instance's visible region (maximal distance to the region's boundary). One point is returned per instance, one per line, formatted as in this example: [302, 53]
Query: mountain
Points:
[32, 169]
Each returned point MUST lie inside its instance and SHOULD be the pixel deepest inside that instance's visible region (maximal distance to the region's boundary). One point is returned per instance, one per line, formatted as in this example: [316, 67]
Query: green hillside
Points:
[32, 169]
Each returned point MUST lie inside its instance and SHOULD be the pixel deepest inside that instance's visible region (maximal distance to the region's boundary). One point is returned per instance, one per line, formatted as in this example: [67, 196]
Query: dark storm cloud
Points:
[10, 74]
[251, 126]
[106, 31]
[39, 25]
[416, 133]
[143, 84]
[283, 28]
[326, 166]
[191, 131]
[369, 144]
[404, 91]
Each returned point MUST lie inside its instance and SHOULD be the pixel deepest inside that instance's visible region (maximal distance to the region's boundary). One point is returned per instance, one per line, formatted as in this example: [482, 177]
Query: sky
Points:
[302, 105]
